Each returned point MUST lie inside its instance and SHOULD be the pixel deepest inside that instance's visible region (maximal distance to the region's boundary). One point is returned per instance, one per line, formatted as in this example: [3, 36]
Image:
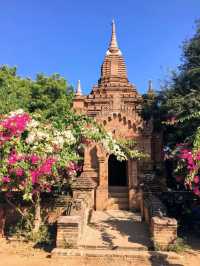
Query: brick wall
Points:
[163, 229]
[70, 228]
[68, 231]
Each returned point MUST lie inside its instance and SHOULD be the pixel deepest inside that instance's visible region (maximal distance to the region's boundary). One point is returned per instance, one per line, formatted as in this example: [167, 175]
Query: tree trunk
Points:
[2, 220]
[38, 219]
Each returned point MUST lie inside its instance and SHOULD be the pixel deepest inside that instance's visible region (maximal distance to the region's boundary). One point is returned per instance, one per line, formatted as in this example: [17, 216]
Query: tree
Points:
[176, 112]
[175, 106]
[181, 98]
[48, 96]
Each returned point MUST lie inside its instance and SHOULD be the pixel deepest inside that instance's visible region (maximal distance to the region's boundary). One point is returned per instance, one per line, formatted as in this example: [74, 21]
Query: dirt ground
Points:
[20, 254]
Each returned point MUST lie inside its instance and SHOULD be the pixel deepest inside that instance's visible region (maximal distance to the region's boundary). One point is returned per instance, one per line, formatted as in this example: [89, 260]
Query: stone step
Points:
[118, 200]
[118, 206]
[119, 194]
[101, 257]
[118, 189]
[110, 247]
[116, 257]
[97, 252]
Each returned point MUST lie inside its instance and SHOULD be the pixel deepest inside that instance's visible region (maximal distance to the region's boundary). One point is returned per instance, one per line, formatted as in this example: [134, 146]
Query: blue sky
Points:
[71, 37]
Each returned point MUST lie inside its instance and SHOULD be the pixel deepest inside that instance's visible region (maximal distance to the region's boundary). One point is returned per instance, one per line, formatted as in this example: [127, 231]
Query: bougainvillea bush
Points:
[187, 156]
[36, 156]
[33, 153]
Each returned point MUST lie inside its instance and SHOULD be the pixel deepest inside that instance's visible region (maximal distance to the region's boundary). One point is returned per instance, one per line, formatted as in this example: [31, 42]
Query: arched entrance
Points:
[117, 172]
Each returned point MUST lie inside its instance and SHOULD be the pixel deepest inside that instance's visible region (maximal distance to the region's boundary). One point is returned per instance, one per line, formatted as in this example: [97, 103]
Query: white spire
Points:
[78, 88]
[113, 41]
[113, 46]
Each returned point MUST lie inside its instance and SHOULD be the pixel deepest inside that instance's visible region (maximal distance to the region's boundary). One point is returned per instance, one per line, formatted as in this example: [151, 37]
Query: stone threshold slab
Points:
[57, 252]
[92, 247]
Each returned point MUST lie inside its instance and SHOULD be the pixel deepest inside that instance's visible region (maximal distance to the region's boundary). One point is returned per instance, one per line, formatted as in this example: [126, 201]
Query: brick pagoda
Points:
[115, 103]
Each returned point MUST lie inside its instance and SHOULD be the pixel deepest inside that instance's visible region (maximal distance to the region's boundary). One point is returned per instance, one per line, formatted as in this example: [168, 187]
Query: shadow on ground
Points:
[159, 259]
[129, 229]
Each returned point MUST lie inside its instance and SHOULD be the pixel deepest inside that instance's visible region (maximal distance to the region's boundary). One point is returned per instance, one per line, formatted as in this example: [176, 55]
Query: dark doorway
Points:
[117, 172]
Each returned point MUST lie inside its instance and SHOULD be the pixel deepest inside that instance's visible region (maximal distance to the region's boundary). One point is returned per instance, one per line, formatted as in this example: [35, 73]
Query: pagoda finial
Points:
[113, 47]
[78, 88]
[150, 87]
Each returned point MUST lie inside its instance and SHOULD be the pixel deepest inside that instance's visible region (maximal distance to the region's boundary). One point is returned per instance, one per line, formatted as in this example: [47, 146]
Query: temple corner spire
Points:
[78, 89]
[150, 90]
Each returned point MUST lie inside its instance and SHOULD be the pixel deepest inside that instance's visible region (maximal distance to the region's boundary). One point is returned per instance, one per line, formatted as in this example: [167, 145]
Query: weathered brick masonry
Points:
[115, 103]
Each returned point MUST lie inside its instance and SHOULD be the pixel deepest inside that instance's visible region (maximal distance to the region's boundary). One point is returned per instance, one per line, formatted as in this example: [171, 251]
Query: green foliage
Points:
[40, 236]
[151, 108]
[50, 97]
[182, 98]
[129, 148]
[24, 229]
[66, 244]
[179, 99]
[179, 246]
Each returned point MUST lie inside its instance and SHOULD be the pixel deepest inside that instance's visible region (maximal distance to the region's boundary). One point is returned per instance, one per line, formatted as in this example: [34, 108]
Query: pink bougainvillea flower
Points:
[14, 126]
[73, 169]
[185, 154]
[6, 179]
[47, 187]
[196, 179]
[197, 156]
[191, 167]
[72, 166]
[11, 171]
[34, 176]
[51, 160]
[34, 159]
[35, 191]
[46, 167]
[23, 183]
[196, 191]
[14, 158]
[19, 172]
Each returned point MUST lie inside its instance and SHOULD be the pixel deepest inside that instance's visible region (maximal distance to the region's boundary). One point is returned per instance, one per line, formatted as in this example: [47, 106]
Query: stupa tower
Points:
[115, 104]
[113, 70]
